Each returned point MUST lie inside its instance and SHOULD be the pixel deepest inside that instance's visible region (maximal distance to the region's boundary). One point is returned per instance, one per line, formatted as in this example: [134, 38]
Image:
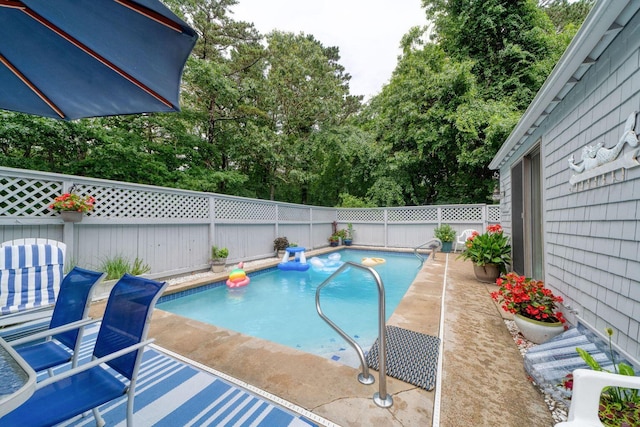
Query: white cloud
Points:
[368, 32]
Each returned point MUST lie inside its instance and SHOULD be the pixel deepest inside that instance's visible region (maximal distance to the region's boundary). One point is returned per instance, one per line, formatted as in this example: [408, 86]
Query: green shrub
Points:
[118, 265]
[217, 253]
[445, 233]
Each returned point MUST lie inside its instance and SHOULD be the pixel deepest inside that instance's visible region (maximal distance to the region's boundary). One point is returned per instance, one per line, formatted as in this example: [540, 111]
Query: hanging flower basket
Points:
[71, 206]
[71, 216]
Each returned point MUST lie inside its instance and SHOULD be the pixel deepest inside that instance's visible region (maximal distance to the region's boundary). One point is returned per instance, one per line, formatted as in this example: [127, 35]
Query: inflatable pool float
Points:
[298, 263]
[329, 265]
[293, 266]
[238, 278]
[370, 262]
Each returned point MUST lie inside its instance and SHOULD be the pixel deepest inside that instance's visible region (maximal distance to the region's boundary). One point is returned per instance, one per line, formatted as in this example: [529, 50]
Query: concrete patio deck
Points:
[483, 382]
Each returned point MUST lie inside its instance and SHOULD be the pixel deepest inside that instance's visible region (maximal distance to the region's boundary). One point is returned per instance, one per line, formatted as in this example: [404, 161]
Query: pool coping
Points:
[322, 386]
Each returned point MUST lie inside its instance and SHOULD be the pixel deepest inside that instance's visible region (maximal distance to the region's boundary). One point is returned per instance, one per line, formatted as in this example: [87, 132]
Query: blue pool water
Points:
[280, 305]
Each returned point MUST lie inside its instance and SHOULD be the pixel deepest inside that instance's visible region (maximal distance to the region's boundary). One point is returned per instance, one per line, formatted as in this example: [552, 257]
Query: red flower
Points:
[529, 298]
[72, 202]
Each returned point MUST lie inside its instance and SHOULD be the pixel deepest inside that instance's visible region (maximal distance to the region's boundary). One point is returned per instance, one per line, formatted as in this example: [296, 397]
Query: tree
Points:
[305, 91]
[219, 95]
[564, 13]
[512, 44]
[415, 114]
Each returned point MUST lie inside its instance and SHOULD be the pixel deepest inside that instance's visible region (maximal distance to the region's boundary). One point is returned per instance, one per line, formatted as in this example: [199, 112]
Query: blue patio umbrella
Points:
[69, 59]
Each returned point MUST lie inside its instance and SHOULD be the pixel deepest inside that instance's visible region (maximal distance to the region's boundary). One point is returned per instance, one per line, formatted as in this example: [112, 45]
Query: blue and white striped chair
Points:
[31, 271]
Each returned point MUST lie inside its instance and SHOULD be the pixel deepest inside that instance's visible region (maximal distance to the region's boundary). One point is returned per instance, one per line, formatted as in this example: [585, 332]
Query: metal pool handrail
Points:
[434, 243]
[381, 398]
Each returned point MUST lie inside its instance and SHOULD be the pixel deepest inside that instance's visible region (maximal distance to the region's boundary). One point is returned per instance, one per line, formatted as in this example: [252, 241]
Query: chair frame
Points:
[60, 319]
[102, 345]
[585, 398]
[462, 238]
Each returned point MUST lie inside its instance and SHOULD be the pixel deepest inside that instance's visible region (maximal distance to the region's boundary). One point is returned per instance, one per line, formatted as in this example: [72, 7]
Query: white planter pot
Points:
[535, 331]
[217, 265]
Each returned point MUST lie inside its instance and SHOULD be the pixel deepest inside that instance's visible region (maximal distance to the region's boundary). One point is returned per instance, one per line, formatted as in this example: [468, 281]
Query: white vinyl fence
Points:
[173, 230]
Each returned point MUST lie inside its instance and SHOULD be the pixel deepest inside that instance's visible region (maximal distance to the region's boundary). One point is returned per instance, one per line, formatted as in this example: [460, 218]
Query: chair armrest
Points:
[26, 316]
[54, 331]
[587, 387]
[92, 364]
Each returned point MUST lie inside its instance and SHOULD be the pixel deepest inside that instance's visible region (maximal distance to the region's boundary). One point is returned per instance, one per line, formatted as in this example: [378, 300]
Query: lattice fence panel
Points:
[113, 202]
[462, 214]
[360, 215]
[493, 213]
[242, 210]
[413, 215]
[27, 197]
[291, 213]
[324, 215]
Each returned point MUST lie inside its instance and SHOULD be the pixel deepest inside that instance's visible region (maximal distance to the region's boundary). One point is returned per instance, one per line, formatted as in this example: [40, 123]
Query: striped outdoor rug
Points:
[170, 392]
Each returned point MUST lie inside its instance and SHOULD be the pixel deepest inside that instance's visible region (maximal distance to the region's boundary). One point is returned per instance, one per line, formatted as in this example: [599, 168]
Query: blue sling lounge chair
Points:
[119, 345]
[71, 309]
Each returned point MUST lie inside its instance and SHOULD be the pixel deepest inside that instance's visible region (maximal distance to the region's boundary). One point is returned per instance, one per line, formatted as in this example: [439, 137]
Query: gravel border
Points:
[558, 409]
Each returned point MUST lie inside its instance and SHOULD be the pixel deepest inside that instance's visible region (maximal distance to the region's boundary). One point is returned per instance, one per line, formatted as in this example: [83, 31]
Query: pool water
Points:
[280, 305]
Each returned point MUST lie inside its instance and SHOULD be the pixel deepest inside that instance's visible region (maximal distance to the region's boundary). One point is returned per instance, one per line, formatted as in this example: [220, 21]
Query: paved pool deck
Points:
[482, 383]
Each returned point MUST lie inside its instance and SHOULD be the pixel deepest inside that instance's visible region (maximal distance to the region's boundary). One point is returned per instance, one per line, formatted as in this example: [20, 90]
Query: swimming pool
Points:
[280, 305]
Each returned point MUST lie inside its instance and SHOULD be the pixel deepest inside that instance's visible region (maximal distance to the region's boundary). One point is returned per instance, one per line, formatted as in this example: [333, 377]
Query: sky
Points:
[368, 32]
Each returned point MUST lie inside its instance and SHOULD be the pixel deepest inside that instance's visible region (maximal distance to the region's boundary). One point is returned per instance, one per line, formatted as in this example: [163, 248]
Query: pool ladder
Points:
[381, 398]
[431, 244]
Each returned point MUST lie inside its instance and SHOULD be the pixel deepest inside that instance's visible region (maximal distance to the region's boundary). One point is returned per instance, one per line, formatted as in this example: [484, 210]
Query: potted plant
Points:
[72, 206]
[618, 406]
[446, 234]
[490, 253]
[334, 240]
[348, 240]
[280, 244]
[533, 306]
[218, 259]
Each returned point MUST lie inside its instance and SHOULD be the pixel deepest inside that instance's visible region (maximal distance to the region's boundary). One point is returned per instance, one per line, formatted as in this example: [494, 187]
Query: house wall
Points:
[592, 233]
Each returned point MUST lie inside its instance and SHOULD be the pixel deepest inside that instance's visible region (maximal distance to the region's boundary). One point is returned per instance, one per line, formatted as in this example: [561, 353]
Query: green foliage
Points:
[118, 265]
[616, 395]
[491, 247]
[618, 406]
[565, 13]
[349, 201]
[219, 253]
[445, 233]
[350, 231]
[139, 267]
[271, 116]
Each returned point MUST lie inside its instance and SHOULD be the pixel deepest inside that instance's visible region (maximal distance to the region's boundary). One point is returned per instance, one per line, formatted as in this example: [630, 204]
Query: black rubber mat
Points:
[412, 357]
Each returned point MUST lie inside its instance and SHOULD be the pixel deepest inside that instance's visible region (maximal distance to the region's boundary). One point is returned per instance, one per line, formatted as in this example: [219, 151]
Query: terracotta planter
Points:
[536, 331]
[487, 273]
[71, 216]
